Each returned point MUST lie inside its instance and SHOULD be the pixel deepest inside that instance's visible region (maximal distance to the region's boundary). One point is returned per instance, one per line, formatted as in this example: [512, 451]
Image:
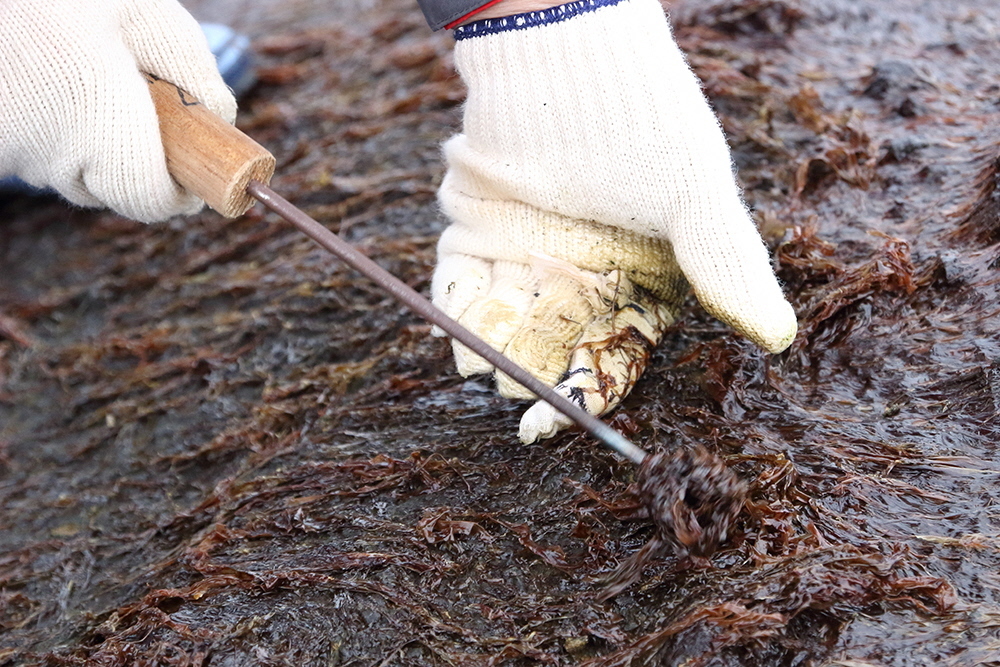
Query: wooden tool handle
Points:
[205, 154]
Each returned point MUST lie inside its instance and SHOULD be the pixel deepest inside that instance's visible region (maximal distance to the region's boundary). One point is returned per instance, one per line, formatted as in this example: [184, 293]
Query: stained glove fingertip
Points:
[541, 421]
[781, 332]
[467, 362]
[770, 323]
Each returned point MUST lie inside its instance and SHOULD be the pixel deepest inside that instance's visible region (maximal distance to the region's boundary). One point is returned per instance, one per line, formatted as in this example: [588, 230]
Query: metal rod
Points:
[420, 305]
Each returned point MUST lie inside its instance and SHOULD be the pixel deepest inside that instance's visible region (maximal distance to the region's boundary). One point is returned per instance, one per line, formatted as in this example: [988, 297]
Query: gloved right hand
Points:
[75, 110]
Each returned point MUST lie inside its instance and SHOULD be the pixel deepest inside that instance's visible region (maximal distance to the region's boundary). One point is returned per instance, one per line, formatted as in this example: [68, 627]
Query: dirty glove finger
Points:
[497, 317]
[459, 280]
[559, 314]
[609, 358]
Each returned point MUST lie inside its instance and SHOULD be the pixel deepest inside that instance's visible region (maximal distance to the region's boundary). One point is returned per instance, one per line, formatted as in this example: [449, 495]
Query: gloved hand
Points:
[588, 144]
[75, 112]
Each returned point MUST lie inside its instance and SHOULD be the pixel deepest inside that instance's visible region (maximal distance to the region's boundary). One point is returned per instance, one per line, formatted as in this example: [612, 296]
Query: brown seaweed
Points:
[219, 446]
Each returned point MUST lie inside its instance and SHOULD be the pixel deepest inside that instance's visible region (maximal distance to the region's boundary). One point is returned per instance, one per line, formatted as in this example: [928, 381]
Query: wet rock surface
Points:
[220, 447]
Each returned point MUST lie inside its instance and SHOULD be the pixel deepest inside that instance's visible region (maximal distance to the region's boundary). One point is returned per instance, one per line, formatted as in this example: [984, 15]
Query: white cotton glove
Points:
[75, 111]
[588, 143]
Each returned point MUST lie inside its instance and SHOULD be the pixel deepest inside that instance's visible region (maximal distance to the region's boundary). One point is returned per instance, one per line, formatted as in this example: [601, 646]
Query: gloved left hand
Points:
[590, 185]
[75, 110]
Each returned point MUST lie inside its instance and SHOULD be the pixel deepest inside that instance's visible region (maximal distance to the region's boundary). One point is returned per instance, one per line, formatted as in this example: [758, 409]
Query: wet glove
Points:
[591, 184]
[75, 112]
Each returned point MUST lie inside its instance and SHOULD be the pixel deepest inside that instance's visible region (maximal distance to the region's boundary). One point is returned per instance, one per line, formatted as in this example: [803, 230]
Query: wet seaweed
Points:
[218, 446]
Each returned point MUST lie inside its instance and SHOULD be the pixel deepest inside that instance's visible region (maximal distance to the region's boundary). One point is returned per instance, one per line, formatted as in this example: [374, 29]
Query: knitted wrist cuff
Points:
[531, 19]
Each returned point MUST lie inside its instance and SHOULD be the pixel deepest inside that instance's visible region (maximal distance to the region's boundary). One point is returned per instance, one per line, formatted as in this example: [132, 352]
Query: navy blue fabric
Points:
[530, 19]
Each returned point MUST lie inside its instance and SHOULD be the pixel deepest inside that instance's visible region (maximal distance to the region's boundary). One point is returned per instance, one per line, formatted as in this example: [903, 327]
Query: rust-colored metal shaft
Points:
[420, 305]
